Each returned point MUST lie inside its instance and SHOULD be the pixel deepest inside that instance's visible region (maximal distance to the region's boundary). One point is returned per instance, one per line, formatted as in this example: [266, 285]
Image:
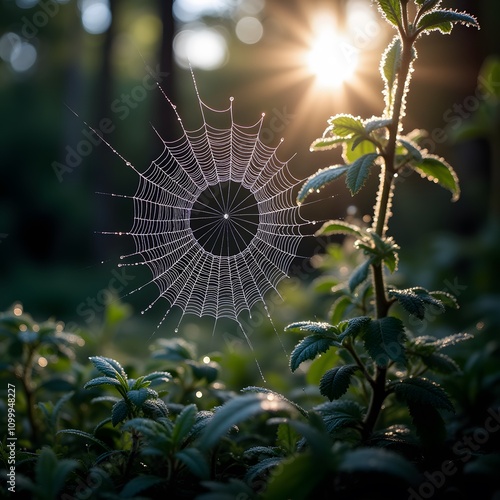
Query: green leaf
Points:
[101, 381]
[335, 382]
[194, 460]
[309, 348]
[422, 391]
[427, 4]
[447, 299]
[183, 424]
[236, 410]
[359, 275]
[340, 308]
[338, 227]
[441, 363]
[452, 340]
[412, 148]
[340, 414]
[119, 412]
[157, 377]
[326, 143]
[410, 301]
[320, 365]
[391, 9]
[85, 435]
[490, 76]
[320, 179]
[442, 20]
[389, 68]
[353, 150]
[108, 366]
[138, 484]
[320, 328]
[383, 340]
[277, 395]
[287, 437]
[296, 478]
[359, 171]
[354, 327]
[262, 468]
[379, 461]
[346, 126]
[437, 170]
[373, 124]
[51, 473]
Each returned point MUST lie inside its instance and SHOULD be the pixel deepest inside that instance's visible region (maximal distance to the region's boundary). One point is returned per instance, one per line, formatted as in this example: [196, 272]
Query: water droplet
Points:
[176, 330]
[231, 99]
[226, 216]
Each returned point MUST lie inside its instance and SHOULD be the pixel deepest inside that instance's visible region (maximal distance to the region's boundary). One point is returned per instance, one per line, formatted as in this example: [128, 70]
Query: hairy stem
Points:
[382, 214]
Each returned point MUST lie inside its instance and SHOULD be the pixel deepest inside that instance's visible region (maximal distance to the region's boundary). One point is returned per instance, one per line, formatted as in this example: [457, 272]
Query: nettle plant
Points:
[377, 347]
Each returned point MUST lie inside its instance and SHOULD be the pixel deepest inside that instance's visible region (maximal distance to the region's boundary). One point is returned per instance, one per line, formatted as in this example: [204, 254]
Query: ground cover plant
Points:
[399, 411]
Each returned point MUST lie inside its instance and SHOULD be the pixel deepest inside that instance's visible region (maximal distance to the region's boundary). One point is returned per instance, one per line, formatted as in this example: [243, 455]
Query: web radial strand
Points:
[215, 219]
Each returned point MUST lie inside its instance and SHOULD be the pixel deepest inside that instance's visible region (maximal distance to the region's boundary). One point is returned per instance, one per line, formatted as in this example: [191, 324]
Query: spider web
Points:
[215, 218]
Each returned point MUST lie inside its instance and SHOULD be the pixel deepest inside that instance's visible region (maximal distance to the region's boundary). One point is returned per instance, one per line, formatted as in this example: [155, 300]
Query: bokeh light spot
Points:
[96, 16]
[204, 48]
[249, 30]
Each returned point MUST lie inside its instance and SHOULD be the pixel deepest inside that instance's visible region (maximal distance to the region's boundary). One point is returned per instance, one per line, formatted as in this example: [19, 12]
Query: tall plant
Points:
[386, 358]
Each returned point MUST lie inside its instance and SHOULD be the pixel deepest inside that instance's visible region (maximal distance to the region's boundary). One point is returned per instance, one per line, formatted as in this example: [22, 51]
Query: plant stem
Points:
[382, 214]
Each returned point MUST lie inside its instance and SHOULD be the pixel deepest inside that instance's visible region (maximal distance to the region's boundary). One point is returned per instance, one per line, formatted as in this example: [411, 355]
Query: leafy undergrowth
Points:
[98, 430]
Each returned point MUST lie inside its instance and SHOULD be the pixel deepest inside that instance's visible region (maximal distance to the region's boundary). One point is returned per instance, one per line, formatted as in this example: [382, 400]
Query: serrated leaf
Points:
[383, 340]
[354, 327]
[391, 9]
[411, 302]
[417, 391]
[335, 382]
[318, 327]
[119, 412]
[158, 377]
[373, 124]
[326, 143]
[309, 348]
[340, 414]
[339, 227]
[412, 148]
[346, 126]
[439, 171]
[379, 461]
[442, 20]
[108, 366]
[359, 171]
[194, 460]
[138, 396]
[320, 179]
[439, 362]
[359, 275]
[155, 408]
[389, 68]
[236, 410]
[101, 381]
[262, 468]
[452, 340]
[427, 4]
[447, 299]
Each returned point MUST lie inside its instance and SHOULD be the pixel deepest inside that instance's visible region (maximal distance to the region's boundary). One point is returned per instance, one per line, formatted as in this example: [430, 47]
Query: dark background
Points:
[50, 249]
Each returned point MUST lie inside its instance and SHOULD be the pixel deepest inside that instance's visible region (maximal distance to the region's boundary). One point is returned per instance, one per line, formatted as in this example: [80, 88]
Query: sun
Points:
[330, 58]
